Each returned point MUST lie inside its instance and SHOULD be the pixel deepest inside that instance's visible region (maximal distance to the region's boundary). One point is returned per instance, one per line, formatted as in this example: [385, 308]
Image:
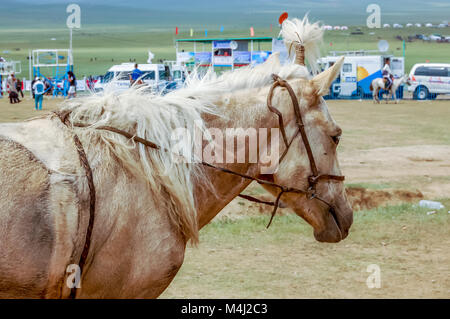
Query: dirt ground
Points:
[390, 154]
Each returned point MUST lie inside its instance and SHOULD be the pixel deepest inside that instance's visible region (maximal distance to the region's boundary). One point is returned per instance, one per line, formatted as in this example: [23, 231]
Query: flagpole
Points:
[70, 44]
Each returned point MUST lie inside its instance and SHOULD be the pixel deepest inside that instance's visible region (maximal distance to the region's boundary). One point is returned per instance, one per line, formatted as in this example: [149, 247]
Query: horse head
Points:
[330, 214]
[406, 79]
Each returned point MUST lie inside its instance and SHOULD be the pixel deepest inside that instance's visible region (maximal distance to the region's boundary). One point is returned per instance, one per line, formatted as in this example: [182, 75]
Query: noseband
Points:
[313, 179]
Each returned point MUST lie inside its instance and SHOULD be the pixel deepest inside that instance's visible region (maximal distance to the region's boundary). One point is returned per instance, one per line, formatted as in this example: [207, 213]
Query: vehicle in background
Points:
[156, 76]
[178, 74]
[358, 71]
[429, 79]
[435, 37]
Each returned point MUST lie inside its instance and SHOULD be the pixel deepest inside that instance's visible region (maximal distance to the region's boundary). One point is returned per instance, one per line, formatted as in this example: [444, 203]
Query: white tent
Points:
[418, 25]
[386, 25]
[428, 25]
[344, 27]
[409, 25]
[327, 27]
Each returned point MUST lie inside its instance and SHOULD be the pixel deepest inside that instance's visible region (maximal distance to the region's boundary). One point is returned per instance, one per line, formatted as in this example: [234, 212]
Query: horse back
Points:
[41, 201]
[27, 234]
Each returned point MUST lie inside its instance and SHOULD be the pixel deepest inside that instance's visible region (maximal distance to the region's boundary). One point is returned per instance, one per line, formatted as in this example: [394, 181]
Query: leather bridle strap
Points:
[64, 117]
[315, 177]
[298, 116]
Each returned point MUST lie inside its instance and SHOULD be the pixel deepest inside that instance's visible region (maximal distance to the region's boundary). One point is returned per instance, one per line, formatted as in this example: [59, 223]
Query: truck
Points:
[156, 76]
[358, 71]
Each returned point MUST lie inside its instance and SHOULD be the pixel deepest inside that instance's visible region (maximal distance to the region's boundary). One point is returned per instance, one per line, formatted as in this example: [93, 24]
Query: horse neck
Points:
[396, 83]
[241, 110]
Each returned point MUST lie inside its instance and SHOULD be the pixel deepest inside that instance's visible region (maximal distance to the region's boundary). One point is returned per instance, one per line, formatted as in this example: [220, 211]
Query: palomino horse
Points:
[378, 84]
[148, 203]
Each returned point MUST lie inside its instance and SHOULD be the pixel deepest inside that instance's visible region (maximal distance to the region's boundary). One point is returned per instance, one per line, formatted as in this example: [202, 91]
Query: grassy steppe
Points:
[109, 45]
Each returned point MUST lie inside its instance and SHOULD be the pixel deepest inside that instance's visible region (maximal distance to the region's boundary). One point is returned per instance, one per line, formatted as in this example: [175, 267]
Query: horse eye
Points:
[336, 139]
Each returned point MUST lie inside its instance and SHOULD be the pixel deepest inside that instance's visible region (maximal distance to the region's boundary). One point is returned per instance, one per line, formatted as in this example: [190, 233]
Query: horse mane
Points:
[154, 117]
[243, 78]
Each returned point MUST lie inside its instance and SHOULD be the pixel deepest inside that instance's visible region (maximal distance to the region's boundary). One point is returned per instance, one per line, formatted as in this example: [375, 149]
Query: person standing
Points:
[135, 75]
[38, 90]
[12, 89]
[72, 85]
[19, 87]
[32, 83]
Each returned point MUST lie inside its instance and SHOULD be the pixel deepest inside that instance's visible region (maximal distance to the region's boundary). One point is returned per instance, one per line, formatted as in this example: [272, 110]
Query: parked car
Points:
[427, 80]
[435, 37]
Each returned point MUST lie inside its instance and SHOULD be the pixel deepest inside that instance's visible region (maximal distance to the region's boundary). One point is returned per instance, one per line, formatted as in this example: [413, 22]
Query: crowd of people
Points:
[39, 87]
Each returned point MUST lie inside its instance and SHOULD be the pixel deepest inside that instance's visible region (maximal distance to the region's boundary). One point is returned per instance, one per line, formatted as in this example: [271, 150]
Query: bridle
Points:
[312, 179]
[310, 192]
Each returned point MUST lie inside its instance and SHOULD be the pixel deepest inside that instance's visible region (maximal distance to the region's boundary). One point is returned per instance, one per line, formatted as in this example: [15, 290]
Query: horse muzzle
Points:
[337, 225]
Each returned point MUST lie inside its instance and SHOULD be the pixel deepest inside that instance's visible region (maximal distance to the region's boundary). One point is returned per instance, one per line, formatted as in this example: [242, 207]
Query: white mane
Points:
[242, 78]
[154, 117]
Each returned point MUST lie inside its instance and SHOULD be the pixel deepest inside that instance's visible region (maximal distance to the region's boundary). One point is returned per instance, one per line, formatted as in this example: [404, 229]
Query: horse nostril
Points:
[336, 139]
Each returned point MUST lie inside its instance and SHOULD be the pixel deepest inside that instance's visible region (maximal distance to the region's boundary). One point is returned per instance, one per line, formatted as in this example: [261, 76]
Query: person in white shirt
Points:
[387, 74]
[39, 90]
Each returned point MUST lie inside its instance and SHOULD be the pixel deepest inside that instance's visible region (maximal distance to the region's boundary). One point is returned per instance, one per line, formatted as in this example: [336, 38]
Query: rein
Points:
[312, 179]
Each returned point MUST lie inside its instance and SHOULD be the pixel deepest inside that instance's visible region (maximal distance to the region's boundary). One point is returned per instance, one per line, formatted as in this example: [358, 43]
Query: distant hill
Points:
[210, 13]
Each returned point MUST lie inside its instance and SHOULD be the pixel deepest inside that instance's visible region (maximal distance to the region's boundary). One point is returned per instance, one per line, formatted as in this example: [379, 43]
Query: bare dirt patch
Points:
[362, 198]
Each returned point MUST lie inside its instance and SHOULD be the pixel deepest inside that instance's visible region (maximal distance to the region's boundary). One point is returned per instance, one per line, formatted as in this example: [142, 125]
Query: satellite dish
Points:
[383, 45]
[282, 17]
[233, 45]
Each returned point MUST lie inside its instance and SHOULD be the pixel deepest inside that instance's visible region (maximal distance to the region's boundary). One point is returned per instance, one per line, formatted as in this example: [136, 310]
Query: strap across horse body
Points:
[312, 179]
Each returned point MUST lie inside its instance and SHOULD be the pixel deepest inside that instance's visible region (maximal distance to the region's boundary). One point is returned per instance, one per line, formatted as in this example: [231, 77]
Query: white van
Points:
[429, 79]
[154, 75]
[358, 72]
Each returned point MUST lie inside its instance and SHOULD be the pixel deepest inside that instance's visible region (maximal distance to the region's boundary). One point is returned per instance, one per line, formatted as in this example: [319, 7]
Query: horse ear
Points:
[322, 81]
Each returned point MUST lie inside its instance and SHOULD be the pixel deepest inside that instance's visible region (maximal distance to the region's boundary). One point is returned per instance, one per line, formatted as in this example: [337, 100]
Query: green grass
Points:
[391, 125]
[120, 43]
[243, 259]
[252, 228]
[369, 185]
